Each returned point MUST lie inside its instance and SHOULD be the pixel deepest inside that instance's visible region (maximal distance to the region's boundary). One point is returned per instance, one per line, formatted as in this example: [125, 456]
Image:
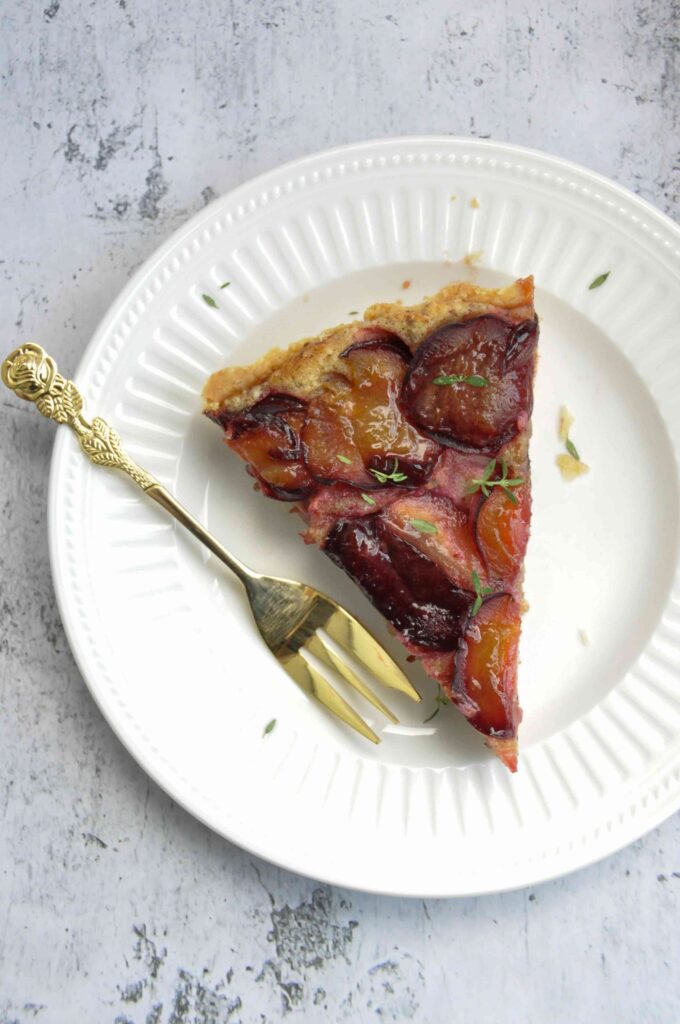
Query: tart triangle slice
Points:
[403, 439]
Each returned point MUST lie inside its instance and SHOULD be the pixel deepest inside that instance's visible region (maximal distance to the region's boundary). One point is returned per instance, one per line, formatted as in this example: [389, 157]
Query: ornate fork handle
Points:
[33, 375]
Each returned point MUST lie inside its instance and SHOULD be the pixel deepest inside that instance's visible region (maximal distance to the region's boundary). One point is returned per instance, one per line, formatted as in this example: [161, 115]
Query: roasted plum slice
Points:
[409, 589]
[355, 431]
[502, 532]
[466, 416]
[439, 530]
[484, 685]
[267, 437]
[340, 501]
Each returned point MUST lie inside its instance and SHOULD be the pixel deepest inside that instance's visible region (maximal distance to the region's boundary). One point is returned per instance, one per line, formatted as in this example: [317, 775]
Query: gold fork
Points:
[288, 615]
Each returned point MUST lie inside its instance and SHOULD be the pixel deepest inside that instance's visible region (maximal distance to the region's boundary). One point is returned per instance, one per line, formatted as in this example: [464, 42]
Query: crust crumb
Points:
[405, 284]
[569, 467]
[452, 199]
[570, 464]
[474, 203]
[583, 637]
[472, 258]
[565, 423]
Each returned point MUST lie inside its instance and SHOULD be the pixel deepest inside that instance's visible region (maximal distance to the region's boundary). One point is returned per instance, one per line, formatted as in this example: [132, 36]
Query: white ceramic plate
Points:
[163, 635]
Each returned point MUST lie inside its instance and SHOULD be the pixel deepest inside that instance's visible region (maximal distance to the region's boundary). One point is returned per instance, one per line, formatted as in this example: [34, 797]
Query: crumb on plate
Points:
[474, 203]
[569, 467]
[583, 637]
[452, 199]
[472, 258]
[566, 421]
[405, 284]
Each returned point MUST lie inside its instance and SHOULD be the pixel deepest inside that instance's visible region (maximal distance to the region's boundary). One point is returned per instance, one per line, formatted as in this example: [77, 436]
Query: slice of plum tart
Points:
[403, 439]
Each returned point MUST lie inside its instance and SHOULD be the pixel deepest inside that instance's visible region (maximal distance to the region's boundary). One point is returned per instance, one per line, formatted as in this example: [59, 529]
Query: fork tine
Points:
[313, 683]
[327, 655]
[355, 638]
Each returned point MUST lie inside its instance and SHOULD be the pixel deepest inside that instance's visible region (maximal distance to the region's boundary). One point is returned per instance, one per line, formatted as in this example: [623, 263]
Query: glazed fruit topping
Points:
[410, 590]
[267, 436]
[502, 532]
[469, 384]
[484, 681]
[355, 431]
[439, 530]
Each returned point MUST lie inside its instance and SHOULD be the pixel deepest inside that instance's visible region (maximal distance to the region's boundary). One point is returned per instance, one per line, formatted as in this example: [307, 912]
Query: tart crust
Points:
[301, 368]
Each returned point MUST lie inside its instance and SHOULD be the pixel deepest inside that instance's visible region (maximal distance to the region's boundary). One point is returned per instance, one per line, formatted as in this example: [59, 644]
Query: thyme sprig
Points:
[440, 702]
[506, 483]
[481, 593]
[423, 526]
[395, 476]
[474, 380]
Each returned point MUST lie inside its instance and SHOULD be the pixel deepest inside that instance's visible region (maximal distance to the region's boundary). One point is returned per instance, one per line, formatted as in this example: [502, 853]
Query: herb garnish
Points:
[484, 483]
[440, 702]
[571, 448]
[269, 726]
[395, 476]
[599, 280]
[473, 380]
[480, 591]
[343, 458]
[368, 499]
[569, 466]
[423, 526]
[226, 284]
[353, 312]
[209, 301]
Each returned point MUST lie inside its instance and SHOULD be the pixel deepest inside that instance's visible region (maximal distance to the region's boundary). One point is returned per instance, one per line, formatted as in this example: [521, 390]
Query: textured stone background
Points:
[119, 119]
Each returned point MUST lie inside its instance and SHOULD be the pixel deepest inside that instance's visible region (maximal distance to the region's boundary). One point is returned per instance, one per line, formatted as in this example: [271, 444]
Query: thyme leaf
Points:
[599, 281]
[485, 483]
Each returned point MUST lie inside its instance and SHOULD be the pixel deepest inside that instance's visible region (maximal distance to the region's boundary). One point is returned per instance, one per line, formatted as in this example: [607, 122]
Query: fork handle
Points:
[166, 500]
[32, 374]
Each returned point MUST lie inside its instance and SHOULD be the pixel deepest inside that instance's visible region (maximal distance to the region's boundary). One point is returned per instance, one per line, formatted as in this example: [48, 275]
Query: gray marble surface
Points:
[119, 119]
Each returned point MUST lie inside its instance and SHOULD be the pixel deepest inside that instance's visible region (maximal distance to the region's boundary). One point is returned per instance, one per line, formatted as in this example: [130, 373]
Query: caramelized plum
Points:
[484, 685]
[340, 501]
[328, 439]
[467, 417]
[404, 584]
[354, 430]
[441, 531]
[377, 337]
[502, 532]
[267, 437]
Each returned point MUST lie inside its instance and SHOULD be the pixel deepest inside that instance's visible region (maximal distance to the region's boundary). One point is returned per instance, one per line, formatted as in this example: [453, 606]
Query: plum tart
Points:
[403, 439]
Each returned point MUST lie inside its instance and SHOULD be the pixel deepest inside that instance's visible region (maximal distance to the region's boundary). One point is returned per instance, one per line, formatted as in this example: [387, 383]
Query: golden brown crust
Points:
[301, 369]
[459, 301]
[504, 748]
